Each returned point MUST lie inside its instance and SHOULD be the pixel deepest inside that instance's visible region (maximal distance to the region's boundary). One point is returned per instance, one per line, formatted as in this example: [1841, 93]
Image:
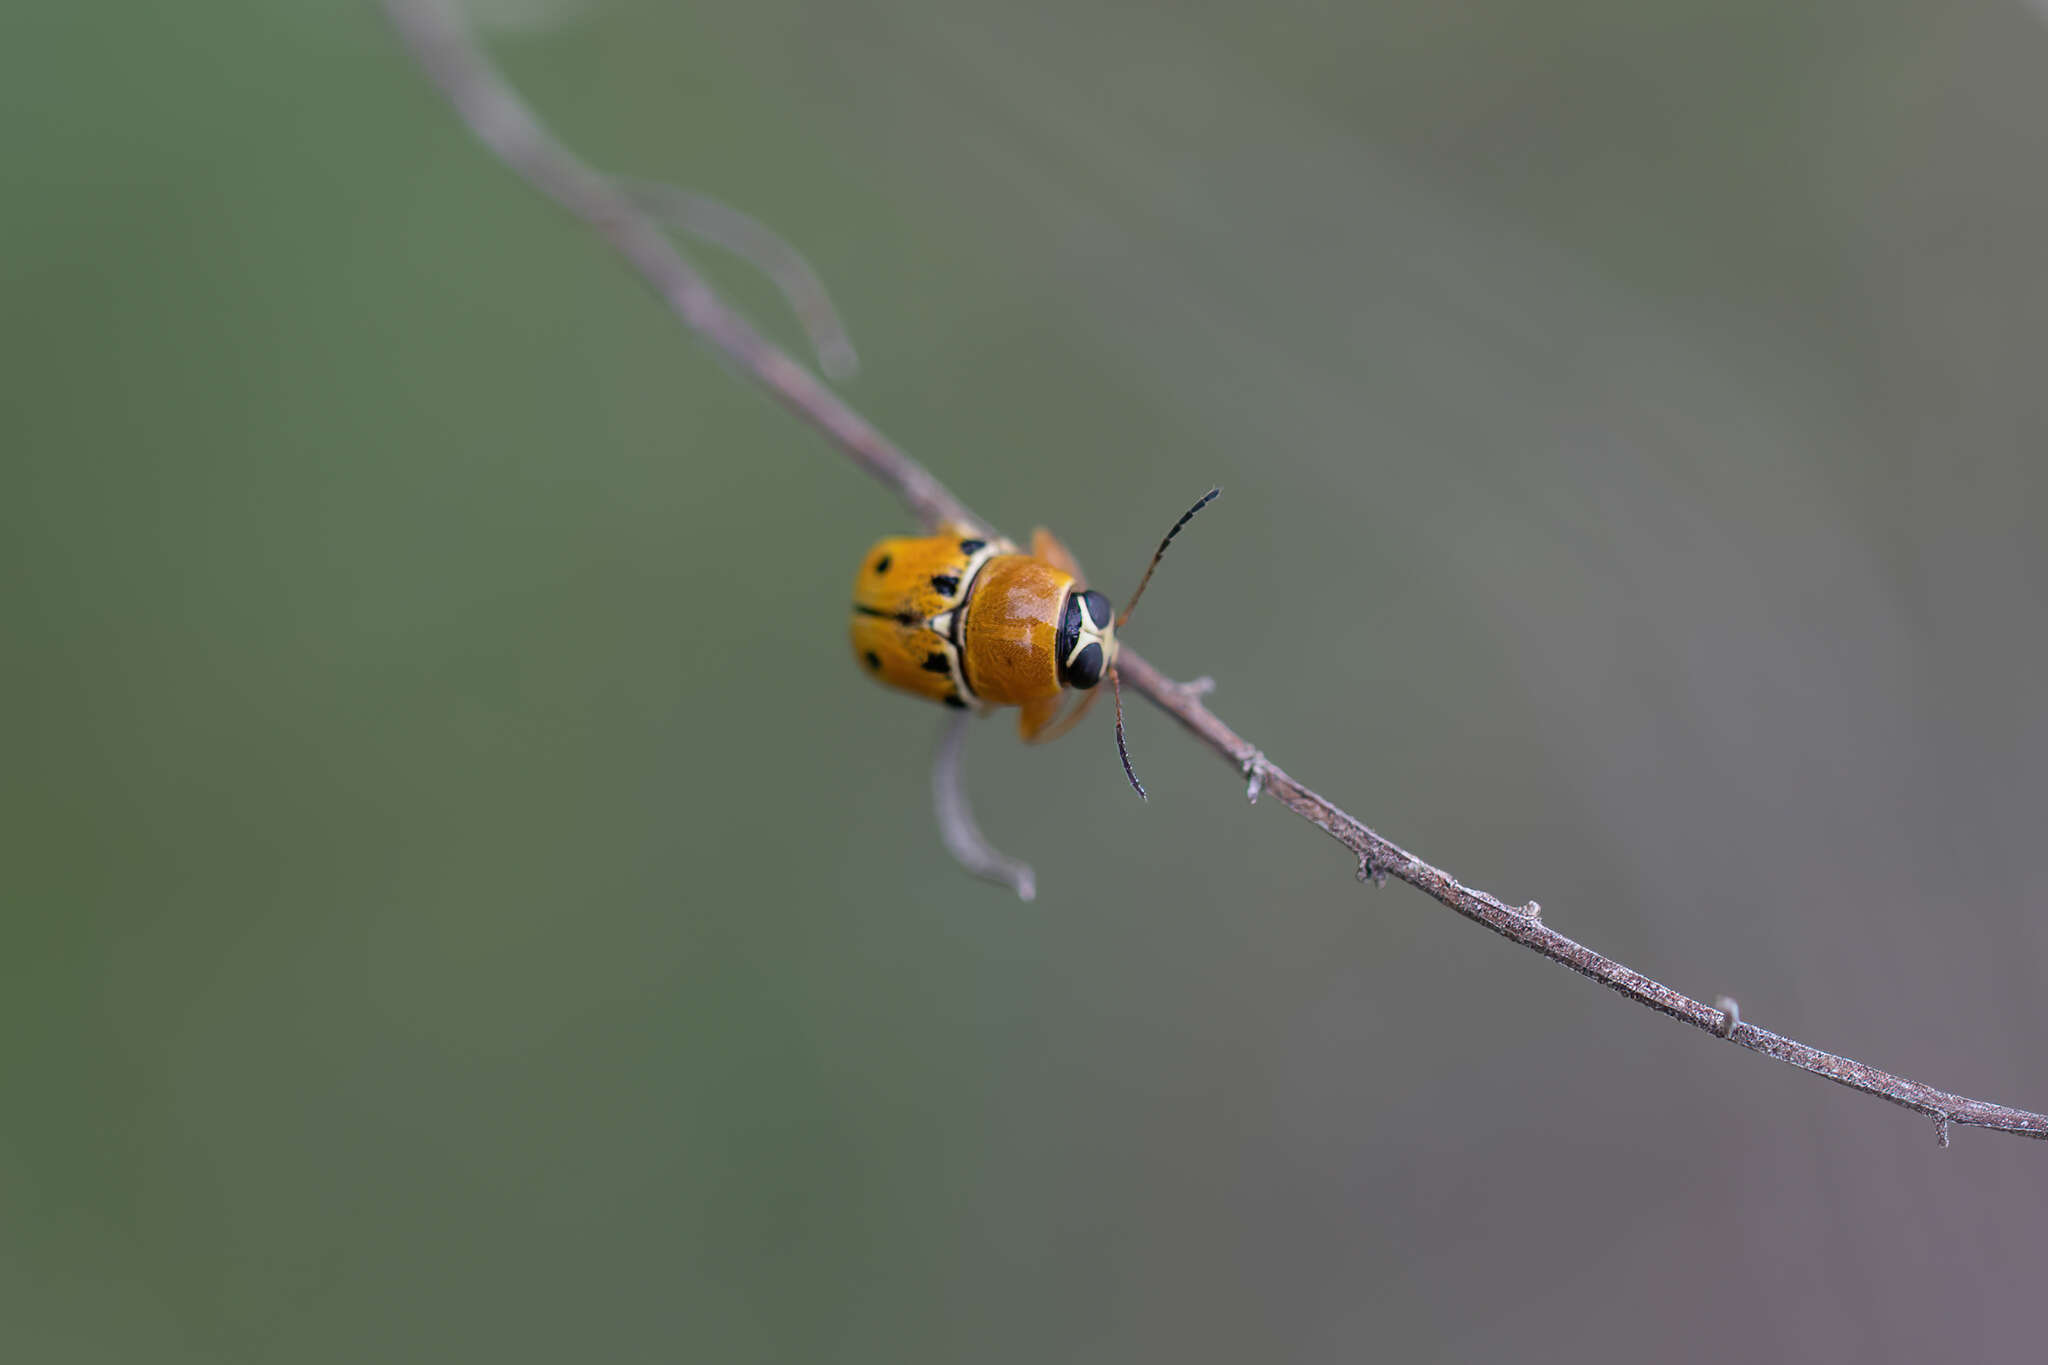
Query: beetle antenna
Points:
[1117, 687]
[1157, 555]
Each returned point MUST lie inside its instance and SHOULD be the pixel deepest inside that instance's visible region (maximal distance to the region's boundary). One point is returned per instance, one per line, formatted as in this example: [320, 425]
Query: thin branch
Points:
[497, 115]
[1379, 858]
[722, 225]
[963, 838]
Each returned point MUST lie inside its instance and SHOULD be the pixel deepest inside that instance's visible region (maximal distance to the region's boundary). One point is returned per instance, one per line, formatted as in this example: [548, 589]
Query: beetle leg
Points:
[1034, 716]
[1046, 546]
[1046, 729]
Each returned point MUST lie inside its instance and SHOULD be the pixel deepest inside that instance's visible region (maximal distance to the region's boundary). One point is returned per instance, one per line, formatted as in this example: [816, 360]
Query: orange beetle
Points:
[973, 622]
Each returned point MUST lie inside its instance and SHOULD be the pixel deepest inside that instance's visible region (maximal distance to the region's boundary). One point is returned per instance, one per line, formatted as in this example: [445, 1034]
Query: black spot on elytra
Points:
[972, 547]
[882, 564]
[946, 583]
[952, 699]
[874, 662]
[935, 662]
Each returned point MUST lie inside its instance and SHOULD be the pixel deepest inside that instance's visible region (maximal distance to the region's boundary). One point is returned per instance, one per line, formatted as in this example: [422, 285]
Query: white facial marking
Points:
[1093, 632]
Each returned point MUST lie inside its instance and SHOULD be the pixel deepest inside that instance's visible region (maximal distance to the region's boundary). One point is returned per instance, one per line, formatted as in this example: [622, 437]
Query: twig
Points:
[496, 114]
[722, 225]
[964, 839]
[1382, 858]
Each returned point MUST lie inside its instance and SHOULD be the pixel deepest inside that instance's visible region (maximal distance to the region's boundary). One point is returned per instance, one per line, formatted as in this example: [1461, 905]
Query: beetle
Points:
[971, 621]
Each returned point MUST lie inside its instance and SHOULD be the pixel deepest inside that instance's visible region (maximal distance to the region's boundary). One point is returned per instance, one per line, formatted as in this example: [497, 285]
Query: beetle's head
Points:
[1087, 639]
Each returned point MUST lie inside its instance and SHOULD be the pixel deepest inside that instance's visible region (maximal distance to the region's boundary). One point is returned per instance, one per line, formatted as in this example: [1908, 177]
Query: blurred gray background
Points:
[462, 902]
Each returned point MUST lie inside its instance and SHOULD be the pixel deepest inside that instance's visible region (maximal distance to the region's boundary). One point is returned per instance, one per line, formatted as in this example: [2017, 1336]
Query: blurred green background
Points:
[462, 902]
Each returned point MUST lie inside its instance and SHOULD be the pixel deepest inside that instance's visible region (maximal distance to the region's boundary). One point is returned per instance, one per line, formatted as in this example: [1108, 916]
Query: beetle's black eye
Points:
[1098, 609]
[1086, 670]
[1069, 633]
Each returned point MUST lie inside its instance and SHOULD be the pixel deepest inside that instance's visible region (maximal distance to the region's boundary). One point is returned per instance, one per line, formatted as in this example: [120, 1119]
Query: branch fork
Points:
[451, 58]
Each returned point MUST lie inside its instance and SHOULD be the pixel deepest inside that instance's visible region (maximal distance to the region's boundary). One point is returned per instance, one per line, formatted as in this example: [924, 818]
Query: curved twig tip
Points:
[963, 838]
[722, 225]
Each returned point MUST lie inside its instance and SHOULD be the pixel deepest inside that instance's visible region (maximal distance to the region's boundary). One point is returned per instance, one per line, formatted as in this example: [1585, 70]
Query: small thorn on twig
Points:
[1941, 1130]
[1197, 688]
[1534, 909]
[1370, 871]
[1731, 1015]
[1255, 776]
